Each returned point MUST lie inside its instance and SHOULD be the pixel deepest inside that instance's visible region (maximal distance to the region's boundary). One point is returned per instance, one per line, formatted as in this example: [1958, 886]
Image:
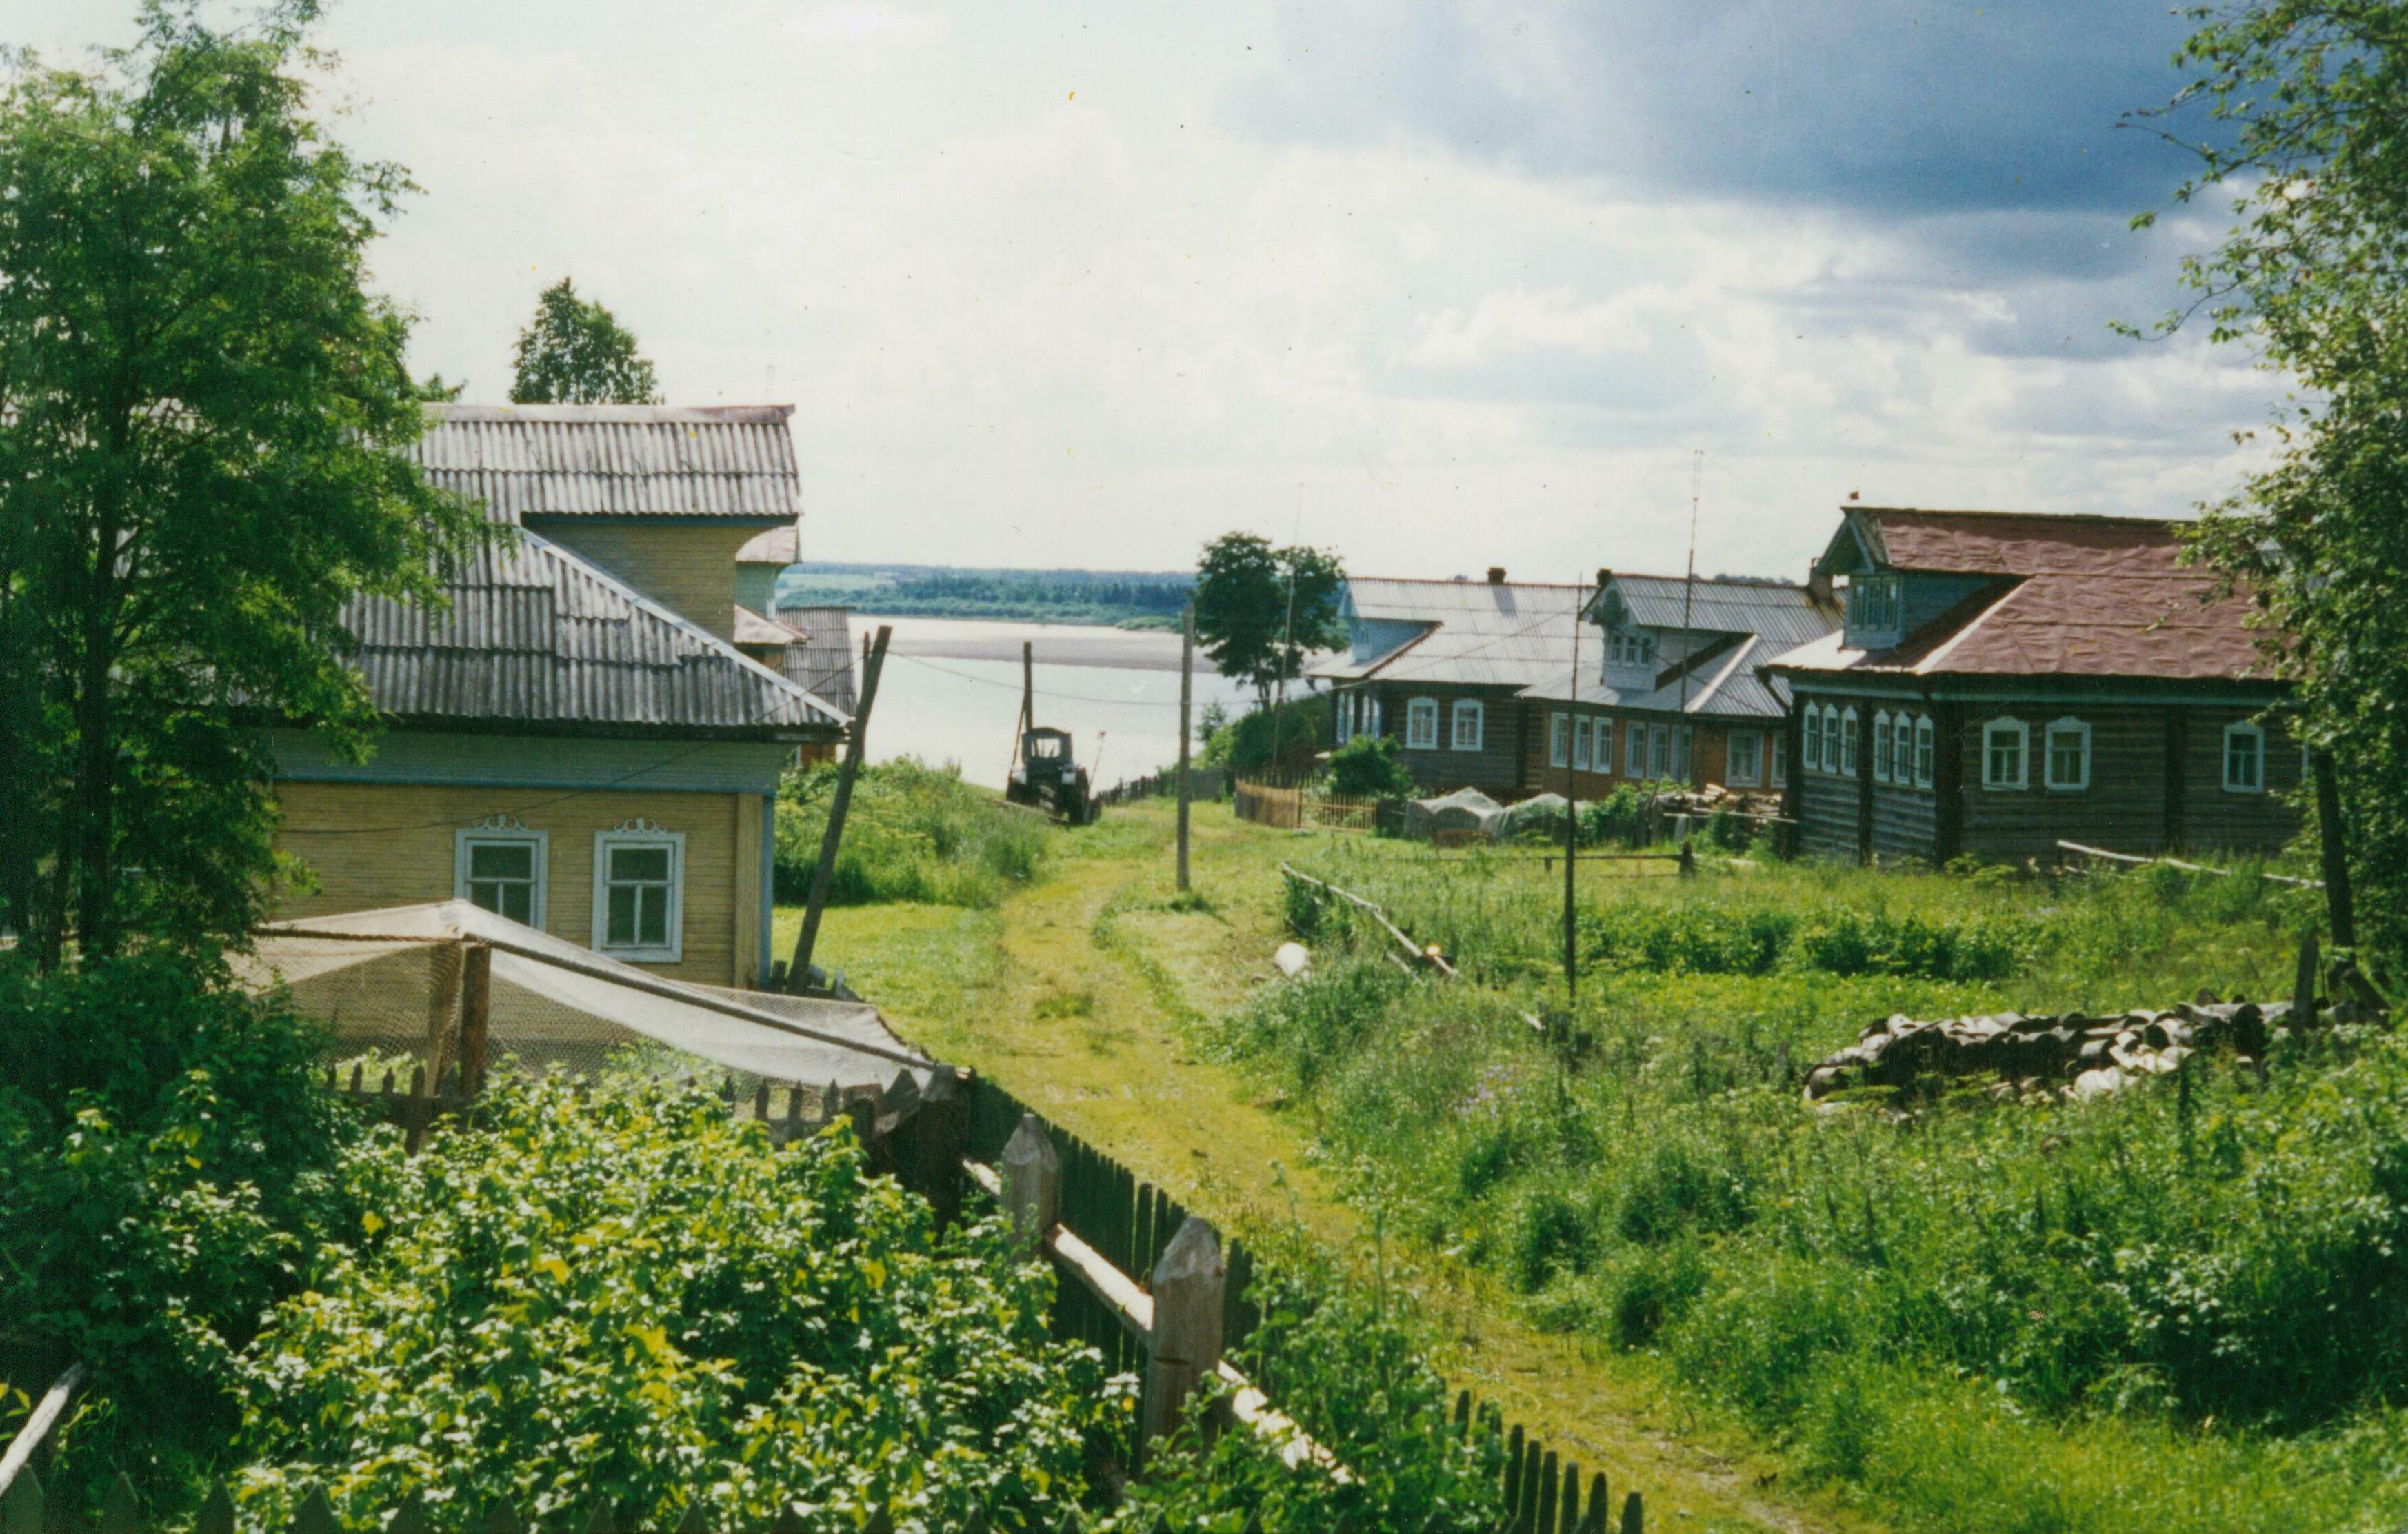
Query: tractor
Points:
[1045, 775]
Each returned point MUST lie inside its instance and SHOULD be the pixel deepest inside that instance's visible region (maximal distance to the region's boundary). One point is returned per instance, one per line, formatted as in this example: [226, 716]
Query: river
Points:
[952, 693]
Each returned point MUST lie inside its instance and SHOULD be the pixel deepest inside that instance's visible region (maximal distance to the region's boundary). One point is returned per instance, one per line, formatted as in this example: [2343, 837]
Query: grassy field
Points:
[2181, 1313]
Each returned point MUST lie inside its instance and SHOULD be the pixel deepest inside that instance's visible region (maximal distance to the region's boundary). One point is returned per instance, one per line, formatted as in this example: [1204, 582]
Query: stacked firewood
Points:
[2075, 1055]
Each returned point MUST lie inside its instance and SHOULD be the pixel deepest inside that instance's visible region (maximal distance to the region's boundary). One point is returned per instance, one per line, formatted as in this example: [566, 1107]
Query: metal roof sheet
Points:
[1783, 613]
[1477, 633]
[730, 463]
[533, 634]
[820, 661]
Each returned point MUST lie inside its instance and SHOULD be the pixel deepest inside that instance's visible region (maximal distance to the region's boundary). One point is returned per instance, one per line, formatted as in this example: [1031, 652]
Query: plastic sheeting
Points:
[387, 982]
[1465, 809]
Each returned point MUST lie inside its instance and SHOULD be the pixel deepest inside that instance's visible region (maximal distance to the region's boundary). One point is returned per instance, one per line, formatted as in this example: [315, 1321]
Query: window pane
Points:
[647, 863]
[517, 903]
[620, 929]
[501, 860]
[653, 912]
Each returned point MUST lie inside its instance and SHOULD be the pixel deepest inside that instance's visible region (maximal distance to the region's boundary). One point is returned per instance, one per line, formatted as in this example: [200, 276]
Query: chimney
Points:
[1603, 575]
[1818, 584]
[1496, 575]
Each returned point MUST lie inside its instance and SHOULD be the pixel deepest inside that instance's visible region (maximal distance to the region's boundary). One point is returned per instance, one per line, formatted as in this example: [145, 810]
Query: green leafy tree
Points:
[2309, 108]
[1369, 767]
[576, 352]
[198, 466]
[1260, 611]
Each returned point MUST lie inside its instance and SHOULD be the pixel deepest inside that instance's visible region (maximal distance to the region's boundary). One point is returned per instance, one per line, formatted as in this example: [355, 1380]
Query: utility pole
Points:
[799, 969]
[1689, 592]
[1572, 814]
[1186, 731]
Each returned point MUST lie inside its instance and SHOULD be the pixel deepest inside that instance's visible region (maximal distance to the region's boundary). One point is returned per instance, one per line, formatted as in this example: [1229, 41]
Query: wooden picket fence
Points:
[1098, 1221]
[1202, 783]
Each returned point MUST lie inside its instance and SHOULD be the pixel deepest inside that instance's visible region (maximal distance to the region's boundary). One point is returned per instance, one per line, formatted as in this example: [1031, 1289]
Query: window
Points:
[1602, 757]
[638, 891]
[1810, 737]
[1659, 751]
[2002, 754]
[1881, 747]
[1682, 733]
[2245, 759]
[1371, 714]
[1873, 604]
[1848, 742]
[2069, 754]
[1830, 738]
[1634, 753]
[1630, 649]
[499, 865]
[1780, 759]
[1580, 744]
[1467, 713]
[1559, 740]
[1345, 717]
[1743, 763]
[1925, 750]
[1421, 724]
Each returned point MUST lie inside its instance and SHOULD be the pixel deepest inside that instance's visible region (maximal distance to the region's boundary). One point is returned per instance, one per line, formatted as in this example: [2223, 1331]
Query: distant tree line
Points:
[1126, 599]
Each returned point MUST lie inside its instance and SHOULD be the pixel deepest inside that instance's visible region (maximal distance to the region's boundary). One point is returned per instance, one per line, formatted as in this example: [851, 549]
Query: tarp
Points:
[379, 980]
[1540, 813]
[1465, 809]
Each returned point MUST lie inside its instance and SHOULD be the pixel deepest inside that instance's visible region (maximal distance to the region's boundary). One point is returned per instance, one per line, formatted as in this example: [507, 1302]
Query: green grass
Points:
[2179, 1309]
[914, 833]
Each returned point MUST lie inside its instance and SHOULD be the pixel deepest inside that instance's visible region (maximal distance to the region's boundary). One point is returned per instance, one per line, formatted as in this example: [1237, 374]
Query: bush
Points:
[634, 1300]
[914, 832]
[1244, 744]
[171, 1172]
[1367, 768]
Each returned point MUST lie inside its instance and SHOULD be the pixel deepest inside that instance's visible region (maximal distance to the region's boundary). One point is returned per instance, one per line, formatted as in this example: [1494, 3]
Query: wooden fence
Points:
[1097, 1222]
[1202, 783]
[1294, 807]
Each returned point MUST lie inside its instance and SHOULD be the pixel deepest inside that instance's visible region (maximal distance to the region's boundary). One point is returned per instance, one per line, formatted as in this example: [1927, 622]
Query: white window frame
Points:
[1627, 649]
[1473, 709]
[2256, 735]
[2022, 732]
[1345, 717]
[1371, 720]
[1659, 752]
[474, 836]
[1874, 604]
[1885, 755]
[1927, 749]
[1848, 742]
[1559, 740]
[1421, 724]
[2067, 725]
[1583, 732]
[1634, 750]
[1779, 758]
[1753, 777]
[635, 834]
[1811, 736]
[1831, 738]
[1600, 754]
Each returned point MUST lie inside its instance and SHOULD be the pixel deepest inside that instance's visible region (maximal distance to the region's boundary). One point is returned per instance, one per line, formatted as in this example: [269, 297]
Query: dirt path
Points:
[1073, 997]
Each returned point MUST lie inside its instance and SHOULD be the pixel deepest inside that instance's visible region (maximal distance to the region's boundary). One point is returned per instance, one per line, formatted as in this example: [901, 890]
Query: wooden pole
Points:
[476, 1010]
[1571, 812]
[1186, 730]
[1184, 1350]
[1032, 1185]
[799, 969]
[2337, 906]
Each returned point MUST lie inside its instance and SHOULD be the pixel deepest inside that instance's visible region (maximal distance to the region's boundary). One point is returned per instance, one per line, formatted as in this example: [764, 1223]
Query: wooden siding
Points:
[538, 761]
[393, 844]
[1494, 768]
[1709, 743]
[2216, 819]
[688, 568]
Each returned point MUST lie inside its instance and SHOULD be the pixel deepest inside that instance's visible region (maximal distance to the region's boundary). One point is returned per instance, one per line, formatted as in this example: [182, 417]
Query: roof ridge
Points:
[709, 641]
[734, 415]
[2117, 517]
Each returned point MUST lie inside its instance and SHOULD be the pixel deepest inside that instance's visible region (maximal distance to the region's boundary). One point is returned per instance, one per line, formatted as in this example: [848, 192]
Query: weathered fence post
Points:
[1186, 1347]
[476, 1010]
[1032, 1185]
[943, 1135]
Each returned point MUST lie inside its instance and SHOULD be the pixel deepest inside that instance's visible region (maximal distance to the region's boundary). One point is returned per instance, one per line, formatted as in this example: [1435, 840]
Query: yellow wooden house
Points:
[576, 741]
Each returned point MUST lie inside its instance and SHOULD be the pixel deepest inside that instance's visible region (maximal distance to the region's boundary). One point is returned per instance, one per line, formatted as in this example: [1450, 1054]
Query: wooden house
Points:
[574, 742]
[2004, 681]
[1669, 689]
[1441, 666]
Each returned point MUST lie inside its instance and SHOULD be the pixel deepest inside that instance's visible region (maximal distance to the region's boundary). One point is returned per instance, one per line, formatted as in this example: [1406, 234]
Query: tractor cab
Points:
[1046, 775]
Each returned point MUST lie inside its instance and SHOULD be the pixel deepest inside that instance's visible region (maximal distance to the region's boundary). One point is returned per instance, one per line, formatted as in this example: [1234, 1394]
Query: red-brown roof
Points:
[2079, 597]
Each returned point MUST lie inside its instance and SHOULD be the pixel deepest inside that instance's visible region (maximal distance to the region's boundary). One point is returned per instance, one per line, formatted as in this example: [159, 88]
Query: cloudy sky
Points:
[1441, 286]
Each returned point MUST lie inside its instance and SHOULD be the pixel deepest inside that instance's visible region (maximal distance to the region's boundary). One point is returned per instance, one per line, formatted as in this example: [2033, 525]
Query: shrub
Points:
[171, 1172]
[1244, 744]
[637, 1301]
[1369, 767]
[913, 832]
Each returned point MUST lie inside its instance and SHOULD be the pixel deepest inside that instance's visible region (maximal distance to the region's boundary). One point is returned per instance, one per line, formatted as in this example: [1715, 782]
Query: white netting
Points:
[389, 985]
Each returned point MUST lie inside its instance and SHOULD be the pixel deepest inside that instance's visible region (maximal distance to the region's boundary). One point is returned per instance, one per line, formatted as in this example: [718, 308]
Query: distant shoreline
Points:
[1056, 644]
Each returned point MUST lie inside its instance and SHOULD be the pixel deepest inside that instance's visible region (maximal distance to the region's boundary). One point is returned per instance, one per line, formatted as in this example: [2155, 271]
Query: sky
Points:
[1437, 286]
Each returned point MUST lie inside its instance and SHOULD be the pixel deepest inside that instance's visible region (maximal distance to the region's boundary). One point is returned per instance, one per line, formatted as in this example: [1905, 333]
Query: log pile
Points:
[2075, 1055]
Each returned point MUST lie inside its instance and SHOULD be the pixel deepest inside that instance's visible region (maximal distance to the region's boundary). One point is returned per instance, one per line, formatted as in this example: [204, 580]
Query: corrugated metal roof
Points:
[1783, 613]
[534, 634]
[822, 661]
[734, 462]
[1478, 633]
